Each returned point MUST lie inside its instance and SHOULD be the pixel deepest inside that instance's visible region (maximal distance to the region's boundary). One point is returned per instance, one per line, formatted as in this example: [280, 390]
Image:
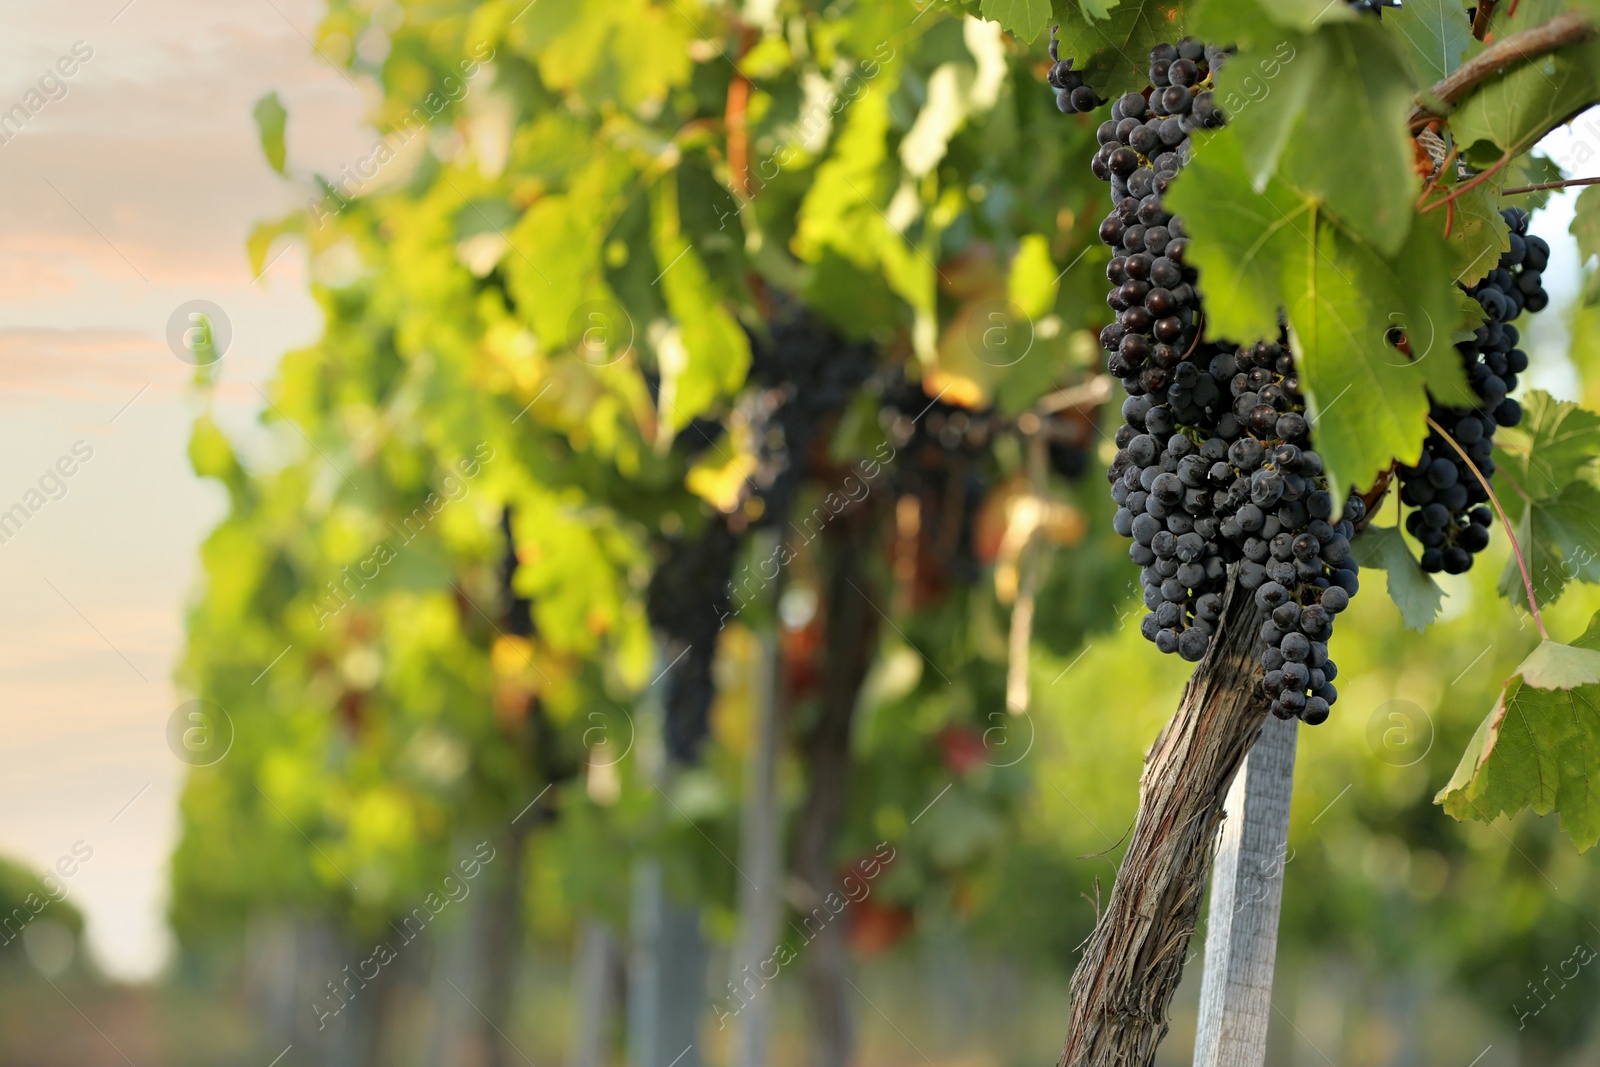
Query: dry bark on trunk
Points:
[1133, 961]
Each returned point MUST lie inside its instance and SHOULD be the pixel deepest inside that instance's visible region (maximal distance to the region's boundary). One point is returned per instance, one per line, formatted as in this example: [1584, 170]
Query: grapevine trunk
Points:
[1133, 961]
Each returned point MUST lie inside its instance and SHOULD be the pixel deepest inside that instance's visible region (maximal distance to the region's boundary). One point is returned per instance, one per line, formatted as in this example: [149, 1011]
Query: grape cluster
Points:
[1214, 468]
[1451, 518]
[803, 375]
[1072, 96]
[941, 453]
[807, 375]
[686, 601]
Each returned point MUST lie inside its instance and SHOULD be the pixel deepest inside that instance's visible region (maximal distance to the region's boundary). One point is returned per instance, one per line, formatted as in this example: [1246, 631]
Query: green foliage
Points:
[1023, 18]
[1557, 534]
[1509, 113]
[1556, 666]
[1435, 33]
[1478, 234]
[1538, 746]
[1531, 168]
[1113, 51]
[556, 273]
[1549, 463]
[270, 119]
[1346, 83]
[562, 271]
[1586, 223]
[1412, 589]
[1278, 249]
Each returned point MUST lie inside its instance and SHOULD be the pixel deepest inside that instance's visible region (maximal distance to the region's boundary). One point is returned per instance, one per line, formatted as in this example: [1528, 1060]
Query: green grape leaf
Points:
[1560, 542]
[1556, 666]
[1294, 100]
[1538, 747]
[1586, 223]
[838, 208]
[709, 358]
[1412, 589]
[1097, 9]
[1241, 239]
[1258, 252]
[1288, 77]
[1555, 442]
[1020, 18]
[1531, 168]
[1363, 93]
[1436, 34]
[1469, 315]
[1478, 234]
[271, 118]
[1257, 24]
[1114, 53]
[631, 51]
[1511, 112]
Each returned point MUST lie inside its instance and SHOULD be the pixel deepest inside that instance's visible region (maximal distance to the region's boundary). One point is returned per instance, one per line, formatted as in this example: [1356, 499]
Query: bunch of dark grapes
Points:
[1452, 516]
[804, 374]
[686, 602]
[1374, 7]
[941, 458]
[1214, 467]
[807, 375]
[1072, 96]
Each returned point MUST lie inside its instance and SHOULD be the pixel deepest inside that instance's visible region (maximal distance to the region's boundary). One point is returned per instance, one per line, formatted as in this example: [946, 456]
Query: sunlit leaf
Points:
[1277, 249]
[270, 119]
[1538, 747]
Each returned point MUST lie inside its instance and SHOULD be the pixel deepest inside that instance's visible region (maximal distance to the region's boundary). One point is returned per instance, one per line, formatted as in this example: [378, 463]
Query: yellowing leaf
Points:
[1034, 279]
[722, 484]
[1556, 666]
[1538, 747]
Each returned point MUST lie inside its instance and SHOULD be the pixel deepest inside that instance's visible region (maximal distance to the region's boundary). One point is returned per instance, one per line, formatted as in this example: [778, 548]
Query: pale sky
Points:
[125, 198]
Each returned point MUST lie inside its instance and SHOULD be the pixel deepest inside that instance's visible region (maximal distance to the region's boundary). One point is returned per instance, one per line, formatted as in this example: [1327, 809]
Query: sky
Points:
[129, 194]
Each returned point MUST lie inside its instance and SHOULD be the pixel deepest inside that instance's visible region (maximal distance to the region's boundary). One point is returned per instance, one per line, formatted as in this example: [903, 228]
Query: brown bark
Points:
[1133, 961]
[850, 639]
[1481, 17]
[1574, 27]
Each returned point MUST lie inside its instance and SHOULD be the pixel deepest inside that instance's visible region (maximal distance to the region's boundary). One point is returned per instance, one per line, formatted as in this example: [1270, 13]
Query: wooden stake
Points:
[1246, 891]
[761, 858]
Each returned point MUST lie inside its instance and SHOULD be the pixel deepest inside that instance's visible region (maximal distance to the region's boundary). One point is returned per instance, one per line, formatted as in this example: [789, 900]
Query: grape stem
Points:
[1481, 17]
[1465, 187]
[1570, 28]
[1523, 493]
[1542, 186]
[1522, 565]
[738, 136]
